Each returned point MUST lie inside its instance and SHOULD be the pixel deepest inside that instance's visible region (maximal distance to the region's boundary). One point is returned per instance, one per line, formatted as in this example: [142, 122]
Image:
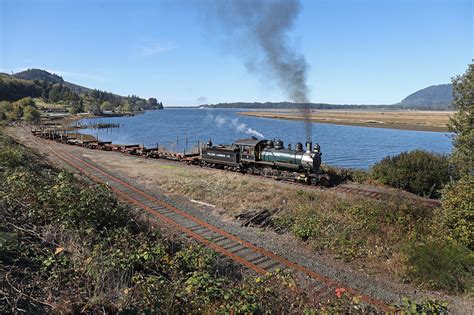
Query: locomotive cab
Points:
[250, 149]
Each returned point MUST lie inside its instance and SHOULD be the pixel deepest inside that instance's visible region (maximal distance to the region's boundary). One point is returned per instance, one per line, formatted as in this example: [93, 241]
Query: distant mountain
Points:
[435, 96]
[38, 74]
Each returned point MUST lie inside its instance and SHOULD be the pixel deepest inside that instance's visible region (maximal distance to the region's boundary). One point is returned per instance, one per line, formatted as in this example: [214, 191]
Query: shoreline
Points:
[345, 121]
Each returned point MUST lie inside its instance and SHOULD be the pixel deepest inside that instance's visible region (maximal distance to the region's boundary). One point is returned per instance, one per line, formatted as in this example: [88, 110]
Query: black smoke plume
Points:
[257, 31]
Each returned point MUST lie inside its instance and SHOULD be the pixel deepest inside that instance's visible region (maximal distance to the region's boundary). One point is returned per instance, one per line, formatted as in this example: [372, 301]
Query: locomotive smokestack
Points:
[309, 147]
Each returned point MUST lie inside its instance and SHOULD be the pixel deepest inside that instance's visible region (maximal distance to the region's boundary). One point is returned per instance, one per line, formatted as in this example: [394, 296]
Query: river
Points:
[343, 146]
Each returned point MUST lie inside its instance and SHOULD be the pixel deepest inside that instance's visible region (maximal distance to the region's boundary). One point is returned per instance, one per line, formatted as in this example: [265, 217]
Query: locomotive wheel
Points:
[324, 181]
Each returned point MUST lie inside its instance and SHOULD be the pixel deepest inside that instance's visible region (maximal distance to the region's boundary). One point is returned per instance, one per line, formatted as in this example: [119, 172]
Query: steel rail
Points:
[289, 264]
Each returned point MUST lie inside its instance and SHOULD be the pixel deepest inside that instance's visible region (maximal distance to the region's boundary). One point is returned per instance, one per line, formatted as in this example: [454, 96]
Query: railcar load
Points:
[267, 158]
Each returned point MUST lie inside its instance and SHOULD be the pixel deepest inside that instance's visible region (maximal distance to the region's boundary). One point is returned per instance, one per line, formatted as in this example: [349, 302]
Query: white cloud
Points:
[156, 48]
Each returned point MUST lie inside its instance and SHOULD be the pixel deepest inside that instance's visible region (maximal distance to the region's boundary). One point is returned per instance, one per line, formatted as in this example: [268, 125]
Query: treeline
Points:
[307, 106]
[94, 101]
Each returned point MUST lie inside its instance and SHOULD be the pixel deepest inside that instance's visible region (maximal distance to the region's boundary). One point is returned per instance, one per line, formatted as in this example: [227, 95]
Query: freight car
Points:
[268, 158]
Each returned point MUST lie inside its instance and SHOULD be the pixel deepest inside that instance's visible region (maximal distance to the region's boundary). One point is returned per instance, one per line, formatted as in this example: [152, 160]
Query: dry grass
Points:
[41, 103]
[411, 120]
[371, 233]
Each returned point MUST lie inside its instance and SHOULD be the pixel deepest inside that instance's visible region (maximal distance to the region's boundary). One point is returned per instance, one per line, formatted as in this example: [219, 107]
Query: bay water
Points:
[345, 146]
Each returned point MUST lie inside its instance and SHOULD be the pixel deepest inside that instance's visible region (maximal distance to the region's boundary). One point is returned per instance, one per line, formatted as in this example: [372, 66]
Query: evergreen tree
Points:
[55, 93]
[152, 102]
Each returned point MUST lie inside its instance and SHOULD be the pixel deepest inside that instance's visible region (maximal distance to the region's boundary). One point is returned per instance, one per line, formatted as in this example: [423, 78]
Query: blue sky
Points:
[359, 51]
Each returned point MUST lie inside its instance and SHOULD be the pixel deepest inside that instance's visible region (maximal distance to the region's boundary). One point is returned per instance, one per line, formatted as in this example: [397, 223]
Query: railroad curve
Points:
[247, 254]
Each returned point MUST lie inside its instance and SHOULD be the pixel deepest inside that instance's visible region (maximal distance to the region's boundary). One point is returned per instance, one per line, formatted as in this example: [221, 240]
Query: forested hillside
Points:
[52, 89]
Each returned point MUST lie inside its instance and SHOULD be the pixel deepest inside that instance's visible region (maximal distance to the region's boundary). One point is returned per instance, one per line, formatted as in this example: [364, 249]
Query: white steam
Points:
[234, 124]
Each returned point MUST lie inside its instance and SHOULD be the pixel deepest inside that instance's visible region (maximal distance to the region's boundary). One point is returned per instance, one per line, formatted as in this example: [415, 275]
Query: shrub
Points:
[31, 114]
[339, 175]
[419, 172]
[441, 265]
[458, 207]
[423, 307]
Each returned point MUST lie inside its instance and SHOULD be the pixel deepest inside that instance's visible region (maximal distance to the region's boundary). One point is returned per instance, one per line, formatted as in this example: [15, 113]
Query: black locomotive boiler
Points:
[268, 158]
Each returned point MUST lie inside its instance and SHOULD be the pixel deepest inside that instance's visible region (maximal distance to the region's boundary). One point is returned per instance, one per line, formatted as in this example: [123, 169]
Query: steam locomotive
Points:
[268, 158]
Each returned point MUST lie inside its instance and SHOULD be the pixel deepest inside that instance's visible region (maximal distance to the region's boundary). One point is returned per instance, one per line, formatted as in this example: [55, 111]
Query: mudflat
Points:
[399, 119]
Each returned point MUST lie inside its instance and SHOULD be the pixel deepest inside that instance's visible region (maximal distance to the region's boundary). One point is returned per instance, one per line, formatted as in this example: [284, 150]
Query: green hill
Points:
[435, 96]
[53, 89]
[40, 75]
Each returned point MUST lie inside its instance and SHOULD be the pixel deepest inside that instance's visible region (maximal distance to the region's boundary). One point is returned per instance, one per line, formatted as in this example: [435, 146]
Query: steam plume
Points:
[257, 31]
[234, 124]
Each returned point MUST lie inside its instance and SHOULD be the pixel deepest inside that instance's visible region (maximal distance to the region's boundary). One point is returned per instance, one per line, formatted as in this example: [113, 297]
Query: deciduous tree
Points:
[31, 114]
[462, 124]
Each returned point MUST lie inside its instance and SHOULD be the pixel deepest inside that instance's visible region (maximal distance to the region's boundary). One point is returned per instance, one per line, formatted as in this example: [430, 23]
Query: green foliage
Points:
[463, 121]
[25, 102]
[58, 92]
[31, 114]
[125, 107]
[35, 83]
[418, 171]
[193, 259]
[458, 206]
[12, 89]
[343, 175]
[106, 106]
[77, 106]
[93, 208]
[152, 103]
[69, 242]
[355, 229]
[306, 226]
[441, 264]
[11, 156]
[410, 307]
[16, 113]
[22, 109]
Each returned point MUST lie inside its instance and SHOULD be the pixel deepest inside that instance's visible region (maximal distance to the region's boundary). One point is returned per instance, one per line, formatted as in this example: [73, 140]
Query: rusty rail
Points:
[249, 255]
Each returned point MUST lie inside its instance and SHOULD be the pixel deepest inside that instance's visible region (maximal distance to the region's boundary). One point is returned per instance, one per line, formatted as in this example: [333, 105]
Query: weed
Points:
[441, 264]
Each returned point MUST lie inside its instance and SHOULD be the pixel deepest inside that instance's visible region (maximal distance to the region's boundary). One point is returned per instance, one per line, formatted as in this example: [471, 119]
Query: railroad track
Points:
[381, 195]
[341, 189]
[253, 257]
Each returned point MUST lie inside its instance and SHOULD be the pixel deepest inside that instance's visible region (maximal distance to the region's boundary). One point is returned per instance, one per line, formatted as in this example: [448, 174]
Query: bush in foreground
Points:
[420, 172]
[354, 228]
[458, 206]
[441, 264]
